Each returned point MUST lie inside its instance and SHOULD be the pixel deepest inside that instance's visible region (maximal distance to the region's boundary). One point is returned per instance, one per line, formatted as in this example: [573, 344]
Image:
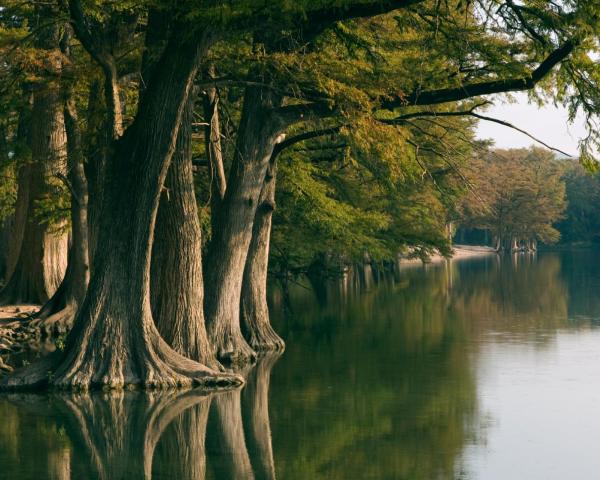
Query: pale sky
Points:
[549, 124]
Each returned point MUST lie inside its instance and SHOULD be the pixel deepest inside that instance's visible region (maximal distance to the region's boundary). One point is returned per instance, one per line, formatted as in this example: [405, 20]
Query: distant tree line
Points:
[520, 197]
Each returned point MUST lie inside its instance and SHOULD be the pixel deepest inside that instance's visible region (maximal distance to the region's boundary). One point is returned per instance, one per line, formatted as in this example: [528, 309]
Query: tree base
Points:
[147, 368]
[265, 339]
[235, 352]
[49, 325]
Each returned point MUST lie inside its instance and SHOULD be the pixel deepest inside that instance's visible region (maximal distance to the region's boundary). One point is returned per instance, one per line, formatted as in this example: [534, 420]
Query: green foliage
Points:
[516, 194]
[582, 217]
[367, 190]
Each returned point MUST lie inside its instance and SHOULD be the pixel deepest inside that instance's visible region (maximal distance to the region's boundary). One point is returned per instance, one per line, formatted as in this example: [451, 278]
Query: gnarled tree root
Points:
[47, 324]
[262, 338]
[233, 351]
[155, 366]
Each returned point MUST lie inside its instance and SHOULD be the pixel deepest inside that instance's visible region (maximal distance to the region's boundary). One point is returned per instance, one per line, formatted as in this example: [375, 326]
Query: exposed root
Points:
[4, 367]
[22, 331]
[263, 338]
[51, 326]
[158, 368]
[235, 351]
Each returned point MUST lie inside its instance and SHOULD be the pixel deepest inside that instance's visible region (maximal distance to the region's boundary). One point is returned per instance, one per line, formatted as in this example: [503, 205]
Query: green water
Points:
[479, 369]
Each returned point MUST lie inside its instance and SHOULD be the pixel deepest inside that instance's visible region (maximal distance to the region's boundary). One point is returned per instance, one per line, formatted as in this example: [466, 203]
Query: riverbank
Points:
[459, 252]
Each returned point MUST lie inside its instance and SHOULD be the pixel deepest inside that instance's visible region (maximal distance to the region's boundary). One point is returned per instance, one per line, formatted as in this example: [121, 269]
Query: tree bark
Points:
[5, 235]
[256, 326]
[212, 140]
[97, 152]
[114, 341]
[23, 159]
[56, 316]
[177, 287]
[43, 254]
[226, 257]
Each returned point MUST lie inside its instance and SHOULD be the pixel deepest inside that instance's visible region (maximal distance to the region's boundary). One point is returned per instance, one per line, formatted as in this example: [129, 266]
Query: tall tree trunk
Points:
[228, 249]
[6, 227]
[43, 254]
[114, 341]
[23, 160]
[97, 152]
[57, 315]
[256, 326]
[255, 409]
[177, 289]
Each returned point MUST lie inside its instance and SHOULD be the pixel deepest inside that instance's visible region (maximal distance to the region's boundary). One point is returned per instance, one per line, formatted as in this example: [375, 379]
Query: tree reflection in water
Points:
[373, 384]
[139, 435]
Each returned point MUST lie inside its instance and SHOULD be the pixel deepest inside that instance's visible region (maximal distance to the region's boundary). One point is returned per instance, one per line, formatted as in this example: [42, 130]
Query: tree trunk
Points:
[177, 288]
[57, 315]
[23, 160]
[514, 245]
[228, 249]
[255, 408]
[254, 309]
[98, 149]
[498, 243]
[5, 235]
[114, 341]
[214, 153]
[43, 253]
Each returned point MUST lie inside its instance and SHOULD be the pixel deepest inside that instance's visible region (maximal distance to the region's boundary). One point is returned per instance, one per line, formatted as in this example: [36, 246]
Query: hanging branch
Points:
[443, 95]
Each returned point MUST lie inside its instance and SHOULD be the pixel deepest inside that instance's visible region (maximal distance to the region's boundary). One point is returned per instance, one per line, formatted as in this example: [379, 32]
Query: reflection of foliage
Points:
[28, 432]
[388, 392]
[516, 297]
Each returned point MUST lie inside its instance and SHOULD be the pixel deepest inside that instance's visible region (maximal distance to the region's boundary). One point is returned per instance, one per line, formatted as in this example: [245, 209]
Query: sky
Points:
[549, 124]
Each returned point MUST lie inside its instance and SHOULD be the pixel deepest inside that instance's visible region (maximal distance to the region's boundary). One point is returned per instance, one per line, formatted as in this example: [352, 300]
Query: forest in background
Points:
[156, 156]
[517, 198]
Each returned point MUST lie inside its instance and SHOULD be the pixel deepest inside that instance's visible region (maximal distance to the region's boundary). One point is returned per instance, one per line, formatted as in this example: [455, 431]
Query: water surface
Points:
[480, 369]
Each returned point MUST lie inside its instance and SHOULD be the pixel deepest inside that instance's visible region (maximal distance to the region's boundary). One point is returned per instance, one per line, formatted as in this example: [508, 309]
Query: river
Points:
[478, 369]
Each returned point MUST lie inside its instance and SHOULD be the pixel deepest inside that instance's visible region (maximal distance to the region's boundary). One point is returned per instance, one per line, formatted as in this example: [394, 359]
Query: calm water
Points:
[477, 369]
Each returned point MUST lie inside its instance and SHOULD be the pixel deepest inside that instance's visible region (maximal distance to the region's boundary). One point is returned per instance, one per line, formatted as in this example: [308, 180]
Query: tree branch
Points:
[524, 132]
[410, 116]
[288, 142]
[432, 97]
[106, 61]
[318, 20]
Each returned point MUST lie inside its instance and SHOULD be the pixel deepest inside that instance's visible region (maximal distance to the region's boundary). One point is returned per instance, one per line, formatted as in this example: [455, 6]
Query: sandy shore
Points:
[459, 252]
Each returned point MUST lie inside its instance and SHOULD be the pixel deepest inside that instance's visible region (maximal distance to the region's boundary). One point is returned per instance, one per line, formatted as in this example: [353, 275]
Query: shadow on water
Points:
[378, 382]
